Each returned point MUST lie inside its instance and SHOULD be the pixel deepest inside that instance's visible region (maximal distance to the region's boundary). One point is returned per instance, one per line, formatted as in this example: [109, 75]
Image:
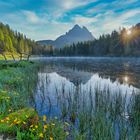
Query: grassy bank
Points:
[17, 118]
[96, 115]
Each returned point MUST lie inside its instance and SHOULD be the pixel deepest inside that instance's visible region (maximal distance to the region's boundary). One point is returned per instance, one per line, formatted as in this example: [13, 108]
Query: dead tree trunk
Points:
[2, 53]
[4, 57]
[28, 57]
[20, 56]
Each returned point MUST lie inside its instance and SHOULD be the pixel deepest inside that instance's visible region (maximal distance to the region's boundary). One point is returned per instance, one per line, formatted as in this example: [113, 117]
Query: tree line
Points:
[14, 42]
[119, 43]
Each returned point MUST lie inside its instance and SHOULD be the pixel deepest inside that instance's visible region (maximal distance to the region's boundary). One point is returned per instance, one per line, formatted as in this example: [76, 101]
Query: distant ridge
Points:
[75, 35]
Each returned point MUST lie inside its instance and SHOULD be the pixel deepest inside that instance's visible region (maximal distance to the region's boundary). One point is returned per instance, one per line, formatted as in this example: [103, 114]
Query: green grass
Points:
[12, 121]
[17, 119]
[26, 124]
[102, 117]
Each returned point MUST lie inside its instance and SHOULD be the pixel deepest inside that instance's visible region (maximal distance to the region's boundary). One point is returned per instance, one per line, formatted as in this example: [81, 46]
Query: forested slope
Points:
[14, 42]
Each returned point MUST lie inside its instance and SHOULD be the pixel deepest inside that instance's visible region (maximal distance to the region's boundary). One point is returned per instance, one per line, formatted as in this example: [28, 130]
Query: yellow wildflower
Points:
[44, 118]
[36, 126]
[2, 121]
[15, 120]
[41, 135]
[7, 118]
[18, 122]
[45, 126]
[51, 138]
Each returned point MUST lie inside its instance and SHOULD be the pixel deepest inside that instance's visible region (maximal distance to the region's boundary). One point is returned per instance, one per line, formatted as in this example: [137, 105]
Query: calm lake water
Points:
[62, 82]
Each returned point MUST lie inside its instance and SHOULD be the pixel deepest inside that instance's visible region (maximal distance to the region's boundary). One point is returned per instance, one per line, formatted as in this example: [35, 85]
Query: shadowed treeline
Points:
[119, 43]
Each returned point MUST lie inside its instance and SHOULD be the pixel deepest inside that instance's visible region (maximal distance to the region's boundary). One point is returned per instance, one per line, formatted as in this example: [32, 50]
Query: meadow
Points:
[17, 118]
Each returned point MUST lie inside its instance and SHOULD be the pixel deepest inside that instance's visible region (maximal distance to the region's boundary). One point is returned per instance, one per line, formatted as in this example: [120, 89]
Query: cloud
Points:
[47, 19]
[121, 5]
[84, 20]
[115, 21]
[58, 9]
[111, 20]
[68, 4]
[72, 4]
[31, 17]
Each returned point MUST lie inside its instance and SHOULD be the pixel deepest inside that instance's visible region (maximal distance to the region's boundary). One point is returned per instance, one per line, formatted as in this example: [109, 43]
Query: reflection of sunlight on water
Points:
[126, 79]
[53, 87]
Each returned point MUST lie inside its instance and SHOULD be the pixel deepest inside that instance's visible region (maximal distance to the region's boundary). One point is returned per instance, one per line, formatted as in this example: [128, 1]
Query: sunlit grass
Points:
[9, 56]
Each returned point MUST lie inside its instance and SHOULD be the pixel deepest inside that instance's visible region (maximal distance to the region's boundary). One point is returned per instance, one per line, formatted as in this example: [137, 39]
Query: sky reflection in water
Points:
[59, 81]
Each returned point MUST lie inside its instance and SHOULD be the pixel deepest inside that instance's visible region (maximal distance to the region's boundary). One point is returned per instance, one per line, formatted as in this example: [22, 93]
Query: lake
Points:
[69, 88]
[87, 73]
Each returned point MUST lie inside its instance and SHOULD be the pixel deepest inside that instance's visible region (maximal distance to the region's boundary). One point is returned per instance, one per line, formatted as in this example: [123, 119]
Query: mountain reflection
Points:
[64, 83]
[81, 70]
[52, 87]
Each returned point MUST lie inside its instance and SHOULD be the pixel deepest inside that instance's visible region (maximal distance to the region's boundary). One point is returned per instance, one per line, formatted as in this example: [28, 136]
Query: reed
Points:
[100, 114]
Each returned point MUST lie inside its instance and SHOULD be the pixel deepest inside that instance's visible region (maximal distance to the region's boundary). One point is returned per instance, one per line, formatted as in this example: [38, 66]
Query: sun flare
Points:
[126, 79]
[129, 32]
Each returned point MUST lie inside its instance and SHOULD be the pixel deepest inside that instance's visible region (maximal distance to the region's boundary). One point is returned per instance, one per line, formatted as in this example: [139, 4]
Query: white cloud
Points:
[47, 24]
[57, 9]
[71, 4]
[84, 20]
[113, 6]
[31, 17]
[68, 4]
[115, 21]
[110, 21]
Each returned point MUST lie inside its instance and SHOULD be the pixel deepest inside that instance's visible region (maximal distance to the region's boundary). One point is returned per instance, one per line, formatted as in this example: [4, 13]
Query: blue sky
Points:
[47, 19]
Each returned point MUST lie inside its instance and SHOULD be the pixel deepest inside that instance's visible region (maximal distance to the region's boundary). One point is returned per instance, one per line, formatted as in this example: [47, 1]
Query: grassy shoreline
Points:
[18, 81]
[17, 118]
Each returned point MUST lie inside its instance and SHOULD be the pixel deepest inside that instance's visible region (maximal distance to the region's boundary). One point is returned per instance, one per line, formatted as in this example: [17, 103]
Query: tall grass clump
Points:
[95, 114]
[18, 120]
[17, 83]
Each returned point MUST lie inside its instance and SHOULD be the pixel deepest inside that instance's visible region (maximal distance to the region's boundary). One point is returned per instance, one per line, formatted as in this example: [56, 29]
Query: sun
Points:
[128, 32]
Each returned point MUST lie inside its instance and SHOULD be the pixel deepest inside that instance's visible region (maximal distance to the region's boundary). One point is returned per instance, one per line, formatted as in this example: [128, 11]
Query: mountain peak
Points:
[74, 35]
[76, 26]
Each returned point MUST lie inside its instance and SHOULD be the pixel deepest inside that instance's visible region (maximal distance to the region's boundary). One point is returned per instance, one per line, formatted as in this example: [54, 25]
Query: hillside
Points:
[14, 42]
